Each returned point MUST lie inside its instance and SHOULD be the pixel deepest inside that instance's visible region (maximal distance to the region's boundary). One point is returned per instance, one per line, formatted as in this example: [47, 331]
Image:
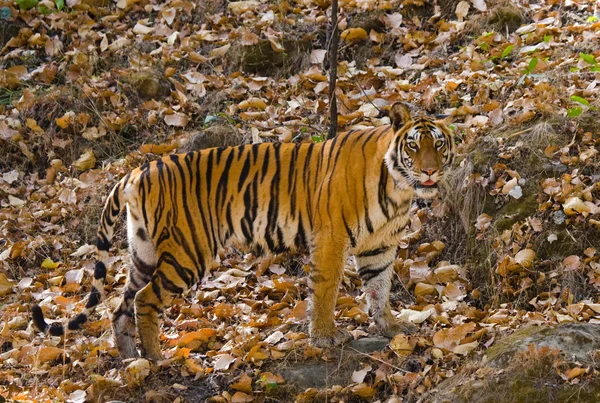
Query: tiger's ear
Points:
[399, 115]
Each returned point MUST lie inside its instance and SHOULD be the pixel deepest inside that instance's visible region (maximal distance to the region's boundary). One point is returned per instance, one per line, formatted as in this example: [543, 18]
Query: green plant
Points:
[578, 110]
[591, 60]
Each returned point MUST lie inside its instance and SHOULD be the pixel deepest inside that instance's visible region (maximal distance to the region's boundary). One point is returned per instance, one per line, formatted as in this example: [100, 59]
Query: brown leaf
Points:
[572, 263]
[241, 397]
[47, 354]
[244, 384]
[177, 119]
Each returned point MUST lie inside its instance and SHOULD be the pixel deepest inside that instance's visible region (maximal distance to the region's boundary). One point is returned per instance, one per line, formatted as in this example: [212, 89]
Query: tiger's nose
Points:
[429, 171]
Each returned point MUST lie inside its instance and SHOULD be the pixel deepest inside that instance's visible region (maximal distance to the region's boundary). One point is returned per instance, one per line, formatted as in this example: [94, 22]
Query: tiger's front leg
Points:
[375, 269]
[328, 257]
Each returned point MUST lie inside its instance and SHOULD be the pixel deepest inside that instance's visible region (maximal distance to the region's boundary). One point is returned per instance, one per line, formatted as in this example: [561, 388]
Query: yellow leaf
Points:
[364, 391]
[270, 378]
[574, 205]
[6, 285]
[401, 345]
[32, 124]
[195, 367]
[49, 264]
[86, 161]
[194, 339]
[354, 35]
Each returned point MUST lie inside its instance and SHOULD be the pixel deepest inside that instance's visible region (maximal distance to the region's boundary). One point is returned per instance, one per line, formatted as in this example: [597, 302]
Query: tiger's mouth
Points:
[428, 184]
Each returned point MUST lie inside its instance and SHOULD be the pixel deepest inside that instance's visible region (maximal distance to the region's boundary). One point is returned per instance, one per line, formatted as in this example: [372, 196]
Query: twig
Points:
[517, 133]
[333, 53]
[378, 359]
[363, 91]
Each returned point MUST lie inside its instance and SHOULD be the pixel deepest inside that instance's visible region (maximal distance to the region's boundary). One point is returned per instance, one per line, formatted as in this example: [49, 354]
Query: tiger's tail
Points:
[115, 203]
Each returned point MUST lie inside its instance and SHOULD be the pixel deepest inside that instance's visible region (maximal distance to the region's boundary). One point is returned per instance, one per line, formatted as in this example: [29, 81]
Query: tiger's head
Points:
[422, 148]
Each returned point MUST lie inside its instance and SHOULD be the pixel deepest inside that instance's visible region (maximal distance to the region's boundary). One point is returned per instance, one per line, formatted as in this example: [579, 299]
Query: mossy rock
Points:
[523, 368]
[515, 210]
[262, 59]
[214, 136]
[506, 18]
[149, 85]
[9, 28]
[370, 20]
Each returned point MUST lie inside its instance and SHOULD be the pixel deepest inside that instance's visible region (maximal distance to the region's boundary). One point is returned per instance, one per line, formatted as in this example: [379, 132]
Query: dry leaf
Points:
[244, 384]
[142, 29]
[219, 52]
[462, 9]
[224, 361]
[525, 258]
[572, 263]
[177, 119]
[574, 205]
[353, 35]
[137, 371]
[48, 354]
[401, 345]
[364, 391]
[359, 375]
[241, 397]
[6, 285]
[86, 161]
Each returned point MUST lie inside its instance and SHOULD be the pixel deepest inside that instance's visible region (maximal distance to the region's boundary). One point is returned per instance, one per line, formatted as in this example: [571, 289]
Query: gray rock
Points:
[369, 345]
[318, 373]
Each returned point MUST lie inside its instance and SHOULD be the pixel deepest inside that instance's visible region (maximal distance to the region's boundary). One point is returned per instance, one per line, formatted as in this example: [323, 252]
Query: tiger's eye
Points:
[439, 143]
[412, 145]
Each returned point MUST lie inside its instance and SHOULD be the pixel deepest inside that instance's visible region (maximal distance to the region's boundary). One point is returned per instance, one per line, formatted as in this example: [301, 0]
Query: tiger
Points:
[349, 195]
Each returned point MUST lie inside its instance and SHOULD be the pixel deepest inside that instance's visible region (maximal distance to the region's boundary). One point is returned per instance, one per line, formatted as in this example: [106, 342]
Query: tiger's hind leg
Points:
[143, 264]
[174, 274]
[375, 269]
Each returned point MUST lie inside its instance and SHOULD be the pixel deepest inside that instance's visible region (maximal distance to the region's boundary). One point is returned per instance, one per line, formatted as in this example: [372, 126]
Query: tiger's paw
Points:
[392, 328]
[335, 338]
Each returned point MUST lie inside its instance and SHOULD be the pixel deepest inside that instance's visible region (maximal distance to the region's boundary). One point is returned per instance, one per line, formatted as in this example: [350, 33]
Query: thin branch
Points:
[333, 53]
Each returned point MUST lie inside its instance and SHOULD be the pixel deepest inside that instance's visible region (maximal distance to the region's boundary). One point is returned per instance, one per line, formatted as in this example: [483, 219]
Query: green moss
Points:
[261, 58]
[516, 210]
[507, 18]
[507, 344]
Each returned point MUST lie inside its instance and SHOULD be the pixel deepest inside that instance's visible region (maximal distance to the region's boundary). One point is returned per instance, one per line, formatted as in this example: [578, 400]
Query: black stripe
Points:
[367, 273]
[73, 324]
[265, 163]
[244, 173]
[99, 270]
[141, 234]
[94, 298]
[382, 194]
[349, 232]
[373, 252]
[102, 242]
[140, 265]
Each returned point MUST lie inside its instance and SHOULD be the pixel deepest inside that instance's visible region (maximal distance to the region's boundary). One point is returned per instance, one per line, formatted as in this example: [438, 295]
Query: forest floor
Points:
[90, 92]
